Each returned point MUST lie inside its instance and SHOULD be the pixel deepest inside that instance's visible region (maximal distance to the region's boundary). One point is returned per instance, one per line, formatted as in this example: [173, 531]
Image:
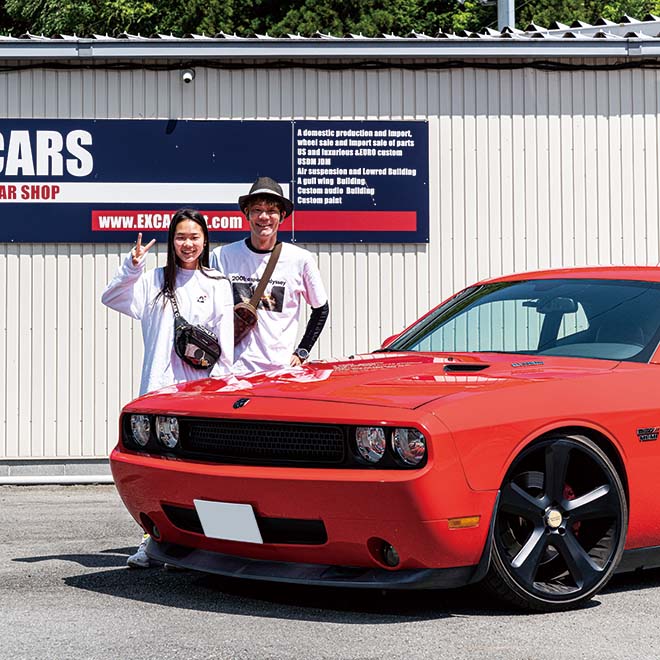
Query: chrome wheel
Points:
[560, 525]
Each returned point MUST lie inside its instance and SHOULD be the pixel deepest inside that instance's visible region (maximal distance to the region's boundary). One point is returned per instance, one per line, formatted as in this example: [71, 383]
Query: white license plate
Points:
[228, 521]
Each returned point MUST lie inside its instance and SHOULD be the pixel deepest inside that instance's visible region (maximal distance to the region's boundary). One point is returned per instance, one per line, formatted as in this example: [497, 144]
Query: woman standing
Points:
[203, 297]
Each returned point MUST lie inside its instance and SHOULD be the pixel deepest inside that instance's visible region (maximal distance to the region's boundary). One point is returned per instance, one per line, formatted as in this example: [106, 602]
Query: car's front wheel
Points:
[560, 525]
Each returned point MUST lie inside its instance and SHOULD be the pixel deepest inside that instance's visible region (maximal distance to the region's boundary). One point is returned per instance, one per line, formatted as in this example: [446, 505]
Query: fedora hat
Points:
[264, 186]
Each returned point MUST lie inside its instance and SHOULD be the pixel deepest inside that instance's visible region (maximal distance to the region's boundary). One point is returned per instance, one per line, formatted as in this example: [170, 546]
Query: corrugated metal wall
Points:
[528, 170]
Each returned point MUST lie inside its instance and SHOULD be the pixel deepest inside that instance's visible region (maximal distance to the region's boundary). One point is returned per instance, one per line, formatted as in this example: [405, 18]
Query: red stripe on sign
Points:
[326, 221]
[356, 221]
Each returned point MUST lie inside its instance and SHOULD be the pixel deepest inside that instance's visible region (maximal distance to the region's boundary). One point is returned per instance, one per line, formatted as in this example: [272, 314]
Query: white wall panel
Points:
[528, 169]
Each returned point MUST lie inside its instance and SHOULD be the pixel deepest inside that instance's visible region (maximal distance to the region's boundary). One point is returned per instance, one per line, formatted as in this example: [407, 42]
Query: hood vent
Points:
[464, 367]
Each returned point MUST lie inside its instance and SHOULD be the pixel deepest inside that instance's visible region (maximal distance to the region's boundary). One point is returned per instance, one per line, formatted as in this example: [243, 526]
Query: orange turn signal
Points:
[463, 523]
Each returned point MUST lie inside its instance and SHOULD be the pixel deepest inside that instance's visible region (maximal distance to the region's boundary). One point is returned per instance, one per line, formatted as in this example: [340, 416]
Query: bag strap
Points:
[270, 267]
[175, 307]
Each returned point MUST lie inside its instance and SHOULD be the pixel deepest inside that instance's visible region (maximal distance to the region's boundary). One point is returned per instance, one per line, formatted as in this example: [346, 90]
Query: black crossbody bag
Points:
[194, 344]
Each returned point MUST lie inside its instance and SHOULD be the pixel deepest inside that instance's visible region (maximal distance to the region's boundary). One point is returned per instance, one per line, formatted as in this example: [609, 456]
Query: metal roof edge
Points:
[339, 48]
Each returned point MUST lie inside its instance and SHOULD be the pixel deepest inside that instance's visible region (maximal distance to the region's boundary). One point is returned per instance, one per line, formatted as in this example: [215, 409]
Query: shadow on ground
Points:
[189, 590]
[104, 559]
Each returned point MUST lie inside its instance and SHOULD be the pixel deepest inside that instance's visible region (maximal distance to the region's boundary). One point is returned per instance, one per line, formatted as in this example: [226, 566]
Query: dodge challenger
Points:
[508, 437]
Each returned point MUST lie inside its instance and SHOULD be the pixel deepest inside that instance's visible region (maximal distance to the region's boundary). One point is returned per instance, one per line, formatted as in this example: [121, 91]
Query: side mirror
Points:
[389, 340]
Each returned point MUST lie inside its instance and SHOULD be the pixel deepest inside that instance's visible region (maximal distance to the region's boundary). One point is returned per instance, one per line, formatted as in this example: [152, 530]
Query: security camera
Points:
[187, 75]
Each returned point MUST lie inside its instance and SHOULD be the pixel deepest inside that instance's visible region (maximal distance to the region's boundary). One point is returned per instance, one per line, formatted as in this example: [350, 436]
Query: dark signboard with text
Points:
[101, 181]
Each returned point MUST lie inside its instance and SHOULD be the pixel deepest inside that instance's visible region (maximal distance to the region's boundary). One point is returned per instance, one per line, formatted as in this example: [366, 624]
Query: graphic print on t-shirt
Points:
[272, 300]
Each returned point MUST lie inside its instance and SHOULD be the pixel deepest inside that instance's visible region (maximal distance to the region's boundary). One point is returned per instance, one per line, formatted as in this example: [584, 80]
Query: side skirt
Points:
[638, 558]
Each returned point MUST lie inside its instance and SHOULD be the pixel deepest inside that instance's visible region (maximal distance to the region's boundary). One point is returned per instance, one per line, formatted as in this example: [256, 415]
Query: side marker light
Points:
[463, 523]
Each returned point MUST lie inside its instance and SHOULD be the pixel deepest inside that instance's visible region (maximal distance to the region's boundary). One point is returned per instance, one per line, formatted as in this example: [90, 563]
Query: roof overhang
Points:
[330, 49]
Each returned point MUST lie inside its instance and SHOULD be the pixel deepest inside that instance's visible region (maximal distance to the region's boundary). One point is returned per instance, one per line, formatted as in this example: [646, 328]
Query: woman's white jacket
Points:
[203, 298]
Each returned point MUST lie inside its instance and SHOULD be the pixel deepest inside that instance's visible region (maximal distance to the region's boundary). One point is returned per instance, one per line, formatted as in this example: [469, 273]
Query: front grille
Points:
[264, 442]
[273, 530]
[246, 441]
[183, 518]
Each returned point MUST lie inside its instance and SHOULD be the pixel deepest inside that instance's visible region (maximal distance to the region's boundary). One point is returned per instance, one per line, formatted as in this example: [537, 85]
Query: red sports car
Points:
[510, 436]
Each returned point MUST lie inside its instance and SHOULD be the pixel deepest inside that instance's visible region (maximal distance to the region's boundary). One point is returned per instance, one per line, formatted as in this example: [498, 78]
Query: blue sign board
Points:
[102, 181]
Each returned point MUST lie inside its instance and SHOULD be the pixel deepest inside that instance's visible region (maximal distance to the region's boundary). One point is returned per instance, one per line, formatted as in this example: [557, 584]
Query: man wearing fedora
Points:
[296, 278]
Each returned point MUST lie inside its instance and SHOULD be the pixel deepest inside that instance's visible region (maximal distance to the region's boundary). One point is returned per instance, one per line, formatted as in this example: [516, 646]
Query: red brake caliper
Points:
[569, 494]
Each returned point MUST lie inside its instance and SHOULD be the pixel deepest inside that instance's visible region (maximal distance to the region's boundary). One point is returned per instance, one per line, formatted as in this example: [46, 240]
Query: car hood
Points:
[401, 380]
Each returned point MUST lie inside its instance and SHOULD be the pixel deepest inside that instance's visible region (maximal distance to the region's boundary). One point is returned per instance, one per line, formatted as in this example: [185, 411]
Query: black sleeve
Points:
[317, 320]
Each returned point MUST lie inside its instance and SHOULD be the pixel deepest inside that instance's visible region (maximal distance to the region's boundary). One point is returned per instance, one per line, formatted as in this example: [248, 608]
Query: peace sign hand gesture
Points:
[138, 252]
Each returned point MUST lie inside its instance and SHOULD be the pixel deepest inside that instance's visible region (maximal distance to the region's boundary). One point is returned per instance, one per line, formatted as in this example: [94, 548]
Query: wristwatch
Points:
[302, 353]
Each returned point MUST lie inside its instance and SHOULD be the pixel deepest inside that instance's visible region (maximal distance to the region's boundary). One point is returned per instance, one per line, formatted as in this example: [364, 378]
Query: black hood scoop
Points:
[465, 367]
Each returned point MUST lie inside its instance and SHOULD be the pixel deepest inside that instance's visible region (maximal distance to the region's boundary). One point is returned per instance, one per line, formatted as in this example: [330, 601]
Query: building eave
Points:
[330, 49]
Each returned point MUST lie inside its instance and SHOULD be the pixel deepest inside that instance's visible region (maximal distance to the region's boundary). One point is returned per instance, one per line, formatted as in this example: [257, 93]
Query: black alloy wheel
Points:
[560, 525]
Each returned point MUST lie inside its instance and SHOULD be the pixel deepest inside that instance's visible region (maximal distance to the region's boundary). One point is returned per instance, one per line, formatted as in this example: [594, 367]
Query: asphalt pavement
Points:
[66, 593]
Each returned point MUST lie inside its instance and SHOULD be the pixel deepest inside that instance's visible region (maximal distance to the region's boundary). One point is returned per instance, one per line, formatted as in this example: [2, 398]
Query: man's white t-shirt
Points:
[296, 277]
[201, 300]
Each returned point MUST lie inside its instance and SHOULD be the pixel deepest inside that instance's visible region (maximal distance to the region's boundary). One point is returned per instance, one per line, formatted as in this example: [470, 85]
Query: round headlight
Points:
[141, 429]
[370, 441]
[409, 445]
[167, 431]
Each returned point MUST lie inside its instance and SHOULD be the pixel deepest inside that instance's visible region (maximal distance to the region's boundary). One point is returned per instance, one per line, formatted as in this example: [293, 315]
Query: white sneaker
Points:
[140, 559]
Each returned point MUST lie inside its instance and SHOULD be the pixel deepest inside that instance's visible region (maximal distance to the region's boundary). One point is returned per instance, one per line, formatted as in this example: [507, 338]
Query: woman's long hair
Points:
[169, 272]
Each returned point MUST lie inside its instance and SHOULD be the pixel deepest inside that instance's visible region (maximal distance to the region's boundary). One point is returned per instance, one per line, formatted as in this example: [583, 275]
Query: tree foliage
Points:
[589, 11]
[306, 17]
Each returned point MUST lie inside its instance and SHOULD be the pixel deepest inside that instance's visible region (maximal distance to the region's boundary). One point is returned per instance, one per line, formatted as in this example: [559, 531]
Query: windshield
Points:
[606, 319]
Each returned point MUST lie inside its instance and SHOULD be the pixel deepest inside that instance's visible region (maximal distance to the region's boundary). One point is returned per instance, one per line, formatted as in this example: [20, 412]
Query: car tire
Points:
[560, 525]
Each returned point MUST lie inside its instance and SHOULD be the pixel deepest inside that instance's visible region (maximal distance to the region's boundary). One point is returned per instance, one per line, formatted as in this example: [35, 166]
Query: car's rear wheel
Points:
[560, 525]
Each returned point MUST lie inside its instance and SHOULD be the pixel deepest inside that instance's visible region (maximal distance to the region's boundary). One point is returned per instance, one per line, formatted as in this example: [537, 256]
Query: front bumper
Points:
[359, 509]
